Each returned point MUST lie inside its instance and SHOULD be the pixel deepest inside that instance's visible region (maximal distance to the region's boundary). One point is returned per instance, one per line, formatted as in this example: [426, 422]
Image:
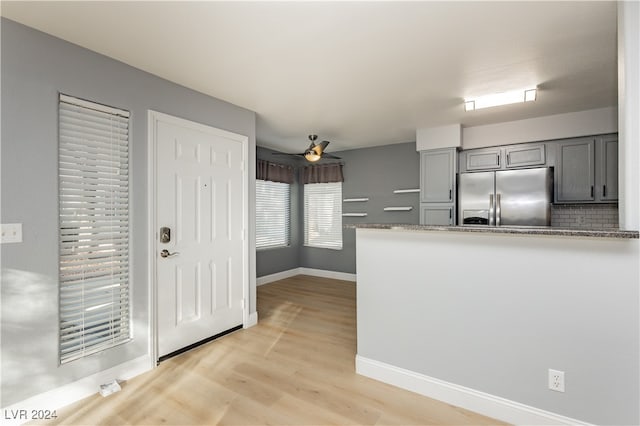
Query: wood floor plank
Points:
[296, 367]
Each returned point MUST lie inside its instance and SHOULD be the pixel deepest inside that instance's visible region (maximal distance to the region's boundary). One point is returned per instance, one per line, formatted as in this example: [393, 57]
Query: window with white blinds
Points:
[323, 215]
[273, 203]
[93, 172]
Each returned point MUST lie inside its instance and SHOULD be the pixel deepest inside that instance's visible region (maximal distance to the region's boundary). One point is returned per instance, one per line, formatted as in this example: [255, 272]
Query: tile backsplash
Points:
[587, 216]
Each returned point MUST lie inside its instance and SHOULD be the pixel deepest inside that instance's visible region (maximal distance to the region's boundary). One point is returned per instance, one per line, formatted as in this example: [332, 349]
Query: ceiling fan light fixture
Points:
[311, 156]
[497, 99]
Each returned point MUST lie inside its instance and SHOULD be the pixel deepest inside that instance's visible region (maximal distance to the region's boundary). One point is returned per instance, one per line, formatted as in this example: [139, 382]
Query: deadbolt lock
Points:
[165, 234]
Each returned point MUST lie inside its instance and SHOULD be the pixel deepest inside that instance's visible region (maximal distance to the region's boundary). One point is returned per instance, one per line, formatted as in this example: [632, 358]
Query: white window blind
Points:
[323, 215]
[273, 203]
[93, 171]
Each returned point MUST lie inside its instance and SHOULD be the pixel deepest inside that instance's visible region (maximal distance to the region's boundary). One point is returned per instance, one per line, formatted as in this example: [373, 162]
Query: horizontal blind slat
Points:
[88, 107]
[70, 319]
[94, 113]
[102, 121]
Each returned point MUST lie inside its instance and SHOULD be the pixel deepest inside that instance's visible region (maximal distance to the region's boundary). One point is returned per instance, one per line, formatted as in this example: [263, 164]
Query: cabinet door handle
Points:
[450, 195]
[508, 162]
[591, 191]
[604, 190]
[450, 214]
[498, 157]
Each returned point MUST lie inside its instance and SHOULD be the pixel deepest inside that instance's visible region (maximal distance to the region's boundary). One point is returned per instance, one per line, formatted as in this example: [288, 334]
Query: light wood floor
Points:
[296, 367]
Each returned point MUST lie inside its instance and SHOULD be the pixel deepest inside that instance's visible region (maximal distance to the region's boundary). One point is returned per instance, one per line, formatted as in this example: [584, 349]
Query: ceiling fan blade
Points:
[285, 153]
[325, 155]
[319, 148]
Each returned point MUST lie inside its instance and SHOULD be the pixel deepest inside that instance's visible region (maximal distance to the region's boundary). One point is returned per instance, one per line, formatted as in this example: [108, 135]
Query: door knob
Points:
[165, 253]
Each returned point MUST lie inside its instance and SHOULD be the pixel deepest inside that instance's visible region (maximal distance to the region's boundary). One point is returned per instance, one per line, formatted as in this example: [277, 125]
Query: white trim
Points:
[151, 235]
[277, 276]
[327, 274]
[154, 117]
[460, 396]
[75, 391]
[344, 276]
[253, 320]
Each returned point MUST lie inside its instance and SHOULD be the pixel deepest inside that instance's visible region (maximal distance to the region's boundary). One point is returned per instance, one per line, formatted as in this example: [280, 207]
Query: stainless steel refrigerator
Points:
[506, 197]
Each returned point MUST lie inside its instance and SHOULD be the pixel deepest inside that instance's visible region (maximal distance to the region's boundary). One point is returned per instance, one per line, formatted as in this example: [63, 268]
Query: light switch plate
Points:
[11, 233]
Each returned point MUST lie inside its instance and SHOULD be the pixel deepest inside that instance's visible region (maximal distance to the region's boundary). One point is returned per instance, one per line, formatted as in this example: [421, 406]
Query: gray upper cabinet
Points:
[437, 175]
[525, 155]
[575, 170]
[505, 157]
[607, 172]
[587, 170]
[483, 159]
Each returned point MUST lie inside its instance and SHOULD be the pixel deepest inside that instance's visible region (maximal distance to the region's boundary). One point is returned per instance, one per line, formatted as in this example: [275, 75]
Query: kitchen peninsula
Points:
[476, 316]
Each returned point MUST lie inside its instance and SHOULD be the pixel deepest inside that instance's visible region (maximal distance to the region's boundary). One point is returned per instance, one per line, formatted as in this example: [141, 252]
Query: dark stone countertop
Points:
[517, 230]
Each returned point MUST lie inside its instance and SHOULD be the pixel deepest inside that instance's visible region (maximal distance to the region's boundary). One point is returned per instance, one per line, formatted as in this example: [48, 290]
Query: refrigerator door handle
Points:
[498, 210]
[491, 216]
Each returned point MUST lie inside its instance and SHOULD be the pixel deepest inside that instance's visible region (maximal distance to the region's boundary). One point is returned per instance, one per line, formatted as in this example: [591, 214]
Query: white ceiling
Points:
[356, 73]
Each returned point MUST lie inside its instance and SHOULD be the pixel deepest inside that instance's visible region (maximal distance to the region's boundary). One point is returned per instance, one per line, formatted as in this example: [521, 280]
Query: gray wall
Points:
[273, 260]
[35, 67]
[373, 173]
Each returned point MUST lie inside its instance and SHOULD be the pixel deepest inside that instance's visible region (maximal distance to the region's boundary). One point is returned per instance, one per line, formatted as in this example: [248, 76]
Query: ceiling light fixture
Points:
[312, 156]
[504, 98]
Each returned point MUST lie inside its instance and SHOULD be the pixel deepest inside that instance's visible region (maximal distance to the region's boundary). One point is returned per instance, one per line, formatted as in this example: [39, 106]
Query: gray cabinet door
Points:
[437, 175]
[436, 214]
[483, 159]
[525, 155]
[575, 177]
[608, 168]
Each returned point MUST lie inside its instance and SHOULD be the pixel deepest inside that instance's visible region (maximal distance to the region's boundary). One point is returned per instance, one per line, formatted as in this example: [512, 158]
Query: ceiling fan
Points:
[315, 151]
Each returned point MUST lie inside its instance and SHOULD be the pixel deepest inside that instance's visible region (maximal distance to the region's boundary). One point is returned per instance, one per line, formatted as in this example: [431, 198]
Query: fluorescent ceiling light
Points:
[504, 98]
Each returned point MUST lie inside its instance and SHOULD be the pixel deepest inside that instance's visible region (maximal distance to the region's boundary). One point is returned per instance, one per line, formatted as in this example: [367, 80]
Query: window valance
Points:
[266, 170]
[322, 173]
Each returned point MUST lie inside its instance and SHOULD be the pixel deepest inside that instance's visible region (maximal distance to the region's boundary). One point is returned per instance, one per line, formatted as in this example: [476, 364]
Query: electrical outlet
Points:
[11, 233]
[556, 380]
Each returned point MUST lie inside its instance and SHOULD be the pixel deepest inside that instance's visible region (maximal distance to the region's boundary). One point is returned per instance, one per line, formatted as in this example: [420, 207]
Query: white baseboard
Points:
[253, 320]
[305, 271]
[327, 274]
[72, 392]
[277, 276]
[460, 396]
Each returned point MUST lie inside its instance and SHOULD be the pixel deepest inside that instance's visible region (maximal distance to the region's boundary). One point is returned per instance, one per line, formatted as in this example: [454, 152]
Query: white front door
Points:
[200, 197]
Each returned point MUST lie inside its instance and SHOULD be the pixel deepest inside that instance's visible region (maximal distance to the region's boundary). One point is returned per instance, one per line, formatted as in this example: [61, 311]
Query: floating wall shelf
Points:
[354, 214]
[398, 209]
[354, 200]
[405, 191]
